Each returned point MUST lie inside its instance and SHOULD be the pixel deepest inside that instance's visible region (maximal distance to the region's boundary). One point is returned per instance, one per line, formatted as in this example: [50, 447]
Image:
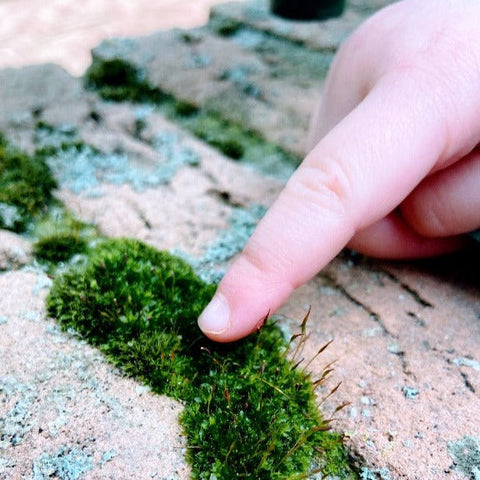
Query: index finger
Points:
[358, 173]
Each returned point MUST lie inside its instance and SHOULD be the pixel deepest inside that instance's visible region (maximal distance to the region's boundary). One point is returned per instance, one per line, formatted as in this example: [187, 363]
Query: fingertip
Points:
[215, 320]
[244, 298]
[224, 323]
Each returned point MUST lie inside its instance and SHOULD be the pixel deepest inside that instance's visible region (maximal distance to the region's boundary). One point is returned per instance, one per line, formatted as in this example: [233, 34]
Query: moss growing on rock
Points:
[118, 80]
[248, 412]
[26, 186]
[59, 236]
[59, 247]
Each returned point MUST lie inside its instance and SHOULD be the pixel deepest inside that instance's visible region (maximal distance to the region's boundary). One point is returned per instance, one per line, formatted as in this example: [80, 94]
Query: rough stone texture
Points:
[325, 35]
[14, 251]
[64, 412]
[39, 92]
[265, 83]
[406, 350]
[257, 84]
[186, 212]
[406, 335]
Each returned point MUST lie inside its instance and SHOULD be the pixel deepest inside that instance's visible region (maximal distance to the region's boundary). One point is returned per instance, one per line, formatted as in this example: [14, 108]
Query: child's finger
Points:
[354, 177]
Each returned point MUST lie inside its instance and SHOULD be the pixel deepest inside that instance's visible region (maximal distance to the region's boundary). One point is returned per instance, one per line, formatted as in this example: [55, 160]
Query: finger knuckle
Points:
[326, 188]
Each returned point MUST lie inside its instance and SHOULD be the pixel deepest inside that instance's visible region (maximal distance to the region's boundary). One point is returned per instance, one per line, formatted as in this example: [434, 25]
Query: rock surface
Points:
[406, 335]
[67, 414]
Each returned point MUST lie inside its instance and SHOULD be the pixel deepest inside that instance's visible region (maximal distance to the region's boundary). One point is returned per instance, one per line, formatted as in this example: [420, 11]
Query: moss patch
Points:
[118, 80]
[59, 247]
[26, 186]
[248, 412]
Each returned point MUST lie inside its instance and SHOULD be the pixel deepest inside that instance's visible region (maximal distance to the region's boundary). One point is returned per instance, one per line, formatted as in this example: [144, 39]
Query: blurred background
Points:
[64, 31]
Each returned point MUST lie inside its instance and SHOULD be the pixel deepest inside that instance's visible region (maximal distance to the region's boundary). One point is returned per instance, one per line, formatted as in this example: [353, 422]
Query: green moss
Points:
[185, 109]
[226, 27]
[59, 247]
[26, 185]
[59, 236]
[227, 140]
[118, 80]
[248, 412]
[239, 144]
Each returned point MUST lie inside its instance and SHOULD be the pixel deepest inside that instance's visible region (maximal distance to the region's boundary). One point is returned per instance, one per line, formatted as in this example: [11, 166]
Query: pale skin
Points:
[394, 163]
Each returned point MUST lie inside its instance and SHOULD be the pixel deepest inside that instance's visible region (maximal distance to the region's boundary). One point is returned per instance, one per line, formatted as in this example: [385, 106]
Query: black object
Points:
[307, 9]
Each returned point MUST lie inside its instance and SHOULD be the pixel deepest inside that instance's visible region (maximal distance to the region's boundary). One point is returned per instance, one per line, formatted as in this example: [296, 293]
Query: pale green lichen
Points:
[467, 362]
[68, 463]
[466, 456]
[375, 474]
[229, 242]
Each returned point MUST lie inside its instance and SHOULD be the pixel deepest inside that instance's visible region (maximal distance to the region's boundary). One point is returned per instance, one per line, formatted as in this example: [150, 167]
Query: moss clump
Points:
[248, 412]
[118, 80]
[185, 109]
[59, 236]
[26, 185]
[59, 247]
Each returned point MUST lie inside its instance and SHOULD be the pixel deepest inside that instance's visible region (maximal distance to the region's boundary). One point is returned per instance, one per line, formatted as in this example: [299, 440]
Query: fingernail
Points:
[216, 317]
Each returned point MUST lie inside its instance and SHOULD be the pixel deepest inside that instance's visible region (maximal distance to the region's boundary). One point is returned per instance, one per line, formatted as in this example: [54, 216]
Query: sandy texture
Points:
[64, 412]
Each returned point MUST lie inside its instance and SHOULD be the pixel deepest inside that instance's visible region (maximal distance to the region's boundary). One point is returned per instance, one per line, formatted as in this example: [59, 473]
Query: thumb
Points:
[356, 175]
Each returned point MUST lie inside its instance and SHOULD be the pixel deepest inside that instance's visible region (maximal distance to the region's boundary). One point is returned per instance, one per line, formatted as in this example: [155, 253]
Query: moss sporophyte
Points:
[249, 412]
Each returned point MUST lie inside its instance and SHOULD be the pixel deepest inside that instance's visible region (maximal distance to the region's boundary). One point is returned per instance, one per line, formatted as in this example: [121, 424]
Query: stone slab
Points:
[406, 335]
[264, 84]
[64, 411]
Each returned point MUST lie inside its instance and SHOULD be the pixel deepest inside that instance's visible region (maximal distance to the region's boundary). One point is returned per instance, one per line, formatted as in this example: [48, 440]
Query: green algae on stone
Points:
[244, 146]
[26, 185]
[248, 412]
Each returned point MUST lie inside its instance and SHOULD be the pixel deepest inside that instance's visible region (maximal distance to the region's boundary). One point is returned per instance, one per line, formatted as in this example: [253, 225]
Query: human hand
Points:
[394, 170]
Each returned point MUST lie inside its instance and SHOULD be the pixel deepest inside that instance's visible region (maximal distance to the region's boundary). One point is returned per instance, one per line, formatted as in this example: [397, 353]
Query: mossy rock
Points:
[118, 80]
[26, 185]
[248, 412]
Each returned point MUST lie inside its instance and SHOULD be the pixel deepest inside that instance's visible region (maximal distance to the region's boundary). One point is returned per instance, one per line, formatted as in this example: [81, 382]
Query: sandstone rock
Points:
[406, 335]
[64, 411]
